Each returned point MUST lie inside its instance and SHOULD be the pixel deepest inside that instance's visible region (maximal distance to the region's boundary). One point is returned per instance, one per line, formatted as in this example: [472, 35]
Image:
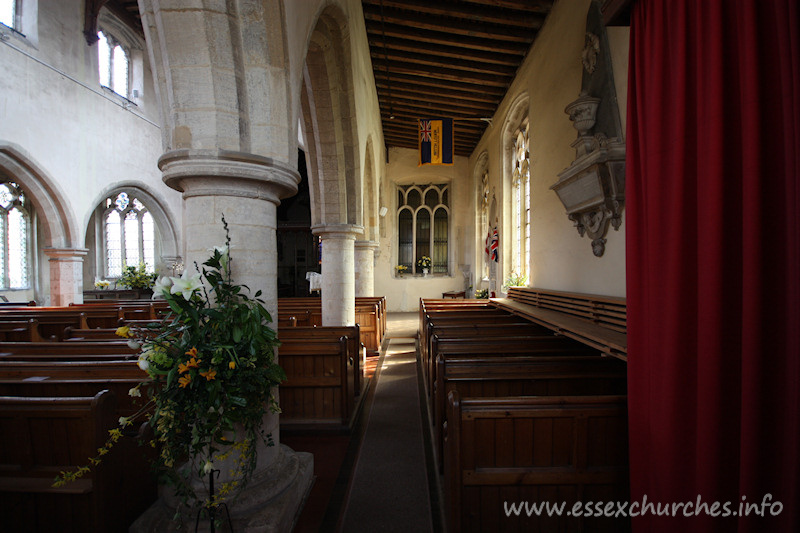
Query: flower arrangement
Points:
[101, 284]
[424, 262]
[400, 269]
[213, 370]
[482, 294]
[515, 280]
[137, 277]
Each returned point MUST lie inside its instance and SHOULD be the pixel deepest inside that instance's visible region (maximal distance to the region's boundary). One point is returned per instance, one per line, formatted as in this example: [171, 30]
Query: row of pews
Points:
[520, 413]
[64, 382]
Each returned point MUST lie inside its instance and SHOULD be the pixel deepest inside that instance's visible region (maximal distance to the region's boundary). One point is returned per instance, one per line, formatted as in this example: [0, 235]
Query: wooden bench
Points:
[355, 348]
[26, 330]
[319, 392]
[68, 348]
[481, 376]
[535, 449]
[44, 436]
[598, 321]
[72, 370]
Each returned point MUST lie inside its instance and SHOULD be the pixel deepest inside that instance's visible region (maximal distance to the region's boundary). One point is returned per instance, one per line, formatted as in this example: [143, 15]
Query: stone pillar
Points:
[338, 273]
[365, 267]
[66, 275]
[246, 189]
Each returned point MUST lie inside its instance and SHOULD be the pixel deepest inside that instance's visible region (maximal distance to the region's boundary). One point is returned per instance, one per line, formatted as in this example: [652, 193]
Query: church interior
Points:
[515, 252]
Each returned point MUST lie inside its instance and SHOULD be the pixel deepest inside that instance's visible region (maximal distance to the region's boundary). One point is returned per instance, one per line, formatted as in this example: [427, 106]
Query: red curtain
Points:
[713, 263]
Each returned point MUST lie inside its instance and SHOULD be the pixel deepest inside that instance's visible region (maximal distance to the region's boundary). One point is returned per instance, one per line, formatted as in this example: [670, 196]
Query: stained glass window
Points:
[15, 228]
[113, 64]
[130, 234]
[422, 226]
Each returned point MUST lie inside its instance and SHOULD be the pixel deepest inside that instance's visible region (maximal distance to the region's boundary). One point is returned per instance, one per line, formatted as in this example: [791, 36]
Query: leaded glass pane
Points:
[405, 224]
[113, 245]
[131, 232]
[440, 242]
[148, 241]
[432, 197]
[414, 198]
[7, 12]
[104, 60]
[423, 243]
[122, 201]
[17, 249]
[120, 71]
[6, 196]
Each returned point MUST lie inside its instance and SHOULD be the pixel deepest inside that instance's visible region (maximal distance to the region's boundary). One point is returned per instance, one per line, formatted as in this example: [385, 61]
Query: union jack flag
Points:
[425, 130]
[495, 244]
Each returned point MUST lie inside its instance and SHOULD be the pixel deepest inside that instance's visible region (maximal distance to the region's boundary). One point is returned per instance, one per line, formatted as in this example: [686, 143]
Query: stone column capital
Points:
[338, 231]
[65, 254]
[228, 173]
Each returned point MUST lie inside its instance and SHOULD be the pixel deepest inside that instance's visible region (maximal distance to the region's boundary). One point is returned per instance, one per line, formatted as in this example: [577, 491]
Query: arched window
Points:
[15, 222]
[129, 235]
[521, 208]
[113, 63]
[422, 226]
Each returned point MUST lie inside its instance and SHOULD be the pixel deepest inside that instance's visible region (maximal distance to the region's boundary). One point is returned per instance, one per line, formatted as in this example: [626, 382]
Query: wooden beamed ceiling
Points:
[430, 58]
[447, 58]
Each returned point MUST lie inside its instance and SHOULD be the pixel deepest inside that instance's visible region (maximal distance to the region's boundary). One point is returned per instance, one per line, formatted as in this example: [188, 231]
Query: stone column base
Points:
[271, 502]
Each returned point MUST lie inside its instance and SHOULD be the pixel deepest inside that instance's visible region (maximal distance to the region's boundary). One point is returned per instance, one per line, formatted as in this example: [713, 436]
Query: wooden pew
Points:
[481, 376]
[319, 392]
[71, 370]
[26, 330]
[67, 348]
[355, 348]
[536, 449]
[44, 436]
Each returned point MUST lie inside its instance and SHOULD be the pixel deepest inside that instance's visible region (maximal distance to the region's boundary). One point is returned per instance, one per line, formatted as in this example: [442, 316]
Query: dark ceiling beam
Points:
[91, 10]
[467, 29]
[408, 122]
[376, 43]
[532, 6]
[124, 14]
[478, 78]
[447, 90]
[436, 99]
[427, 108]
[431, 60]
[442, 36]
[475, 12]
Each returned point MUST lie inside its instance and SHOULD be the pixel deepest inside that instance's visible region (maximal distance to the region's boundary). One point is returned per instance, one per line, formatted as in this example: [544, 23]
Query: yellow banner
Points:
[436, 142]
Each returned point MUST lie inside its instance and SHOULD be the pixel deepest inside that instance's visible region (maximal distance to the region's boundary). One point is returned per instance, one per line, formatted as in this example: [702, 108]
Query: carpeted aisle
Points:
[389, 489]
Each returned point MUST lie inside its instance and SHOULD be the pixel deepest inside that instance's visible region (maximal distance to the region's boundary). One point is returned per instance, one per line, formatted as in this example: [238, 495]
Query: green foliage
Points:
[137, 277]
[515, 280]
[424, 262]
[482, 294]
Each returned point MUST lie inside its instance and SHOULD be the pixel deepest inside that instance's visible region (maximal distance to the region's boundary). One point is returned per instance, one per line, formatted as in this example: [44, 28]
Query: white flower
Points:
[161, 286]
[185, 285]
[143, 363]
[135, 393]
[123, 421]
[223, 252]
[134, 345]
[208, 467]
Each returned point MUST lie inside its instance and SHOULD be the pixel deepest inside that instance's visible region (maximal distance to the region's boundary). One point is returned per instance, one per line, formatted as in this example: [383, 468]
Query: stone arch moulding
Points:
[56, 220]
[329, 110]
[370, 202]
[164, 221]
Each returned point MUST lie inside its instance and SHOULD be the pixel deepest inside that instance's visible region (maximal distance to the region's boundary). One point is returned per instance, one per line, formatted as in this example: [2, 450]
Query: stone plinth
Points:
[66, 275]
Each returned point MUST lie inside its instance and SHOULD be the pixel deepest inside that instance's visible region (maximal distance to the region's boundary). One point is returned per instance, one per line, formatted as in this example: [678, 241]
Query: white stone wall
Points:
[551, 77]
[84, 138]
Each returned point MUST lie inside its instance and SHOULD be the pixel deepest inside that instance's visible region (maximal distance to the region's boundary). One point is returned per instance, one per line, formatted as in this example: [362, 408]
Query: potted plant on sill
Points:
[137, 278]
[213, 371]
[424, 263]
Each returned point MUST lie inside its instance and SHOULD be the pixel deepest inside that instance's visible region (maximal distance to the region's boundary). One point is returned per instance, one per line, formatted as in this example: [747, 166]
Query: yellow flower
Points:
[211, 374]
[183, 381]
[124, 331]
[182, 368]
[232, 365]
[192, 352]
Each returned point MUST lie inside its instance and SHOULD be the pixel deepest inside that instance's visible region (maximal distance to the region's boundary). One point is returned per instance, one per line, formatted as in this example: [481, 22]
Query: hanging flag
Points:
[436, 141]
[488, 244]
[495, 244]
